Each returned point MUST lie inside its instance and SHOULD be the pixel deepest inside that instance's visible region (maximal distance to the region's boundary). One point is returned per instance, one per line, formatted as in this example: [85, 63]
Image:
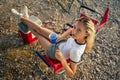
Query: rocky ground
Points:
[17, 61]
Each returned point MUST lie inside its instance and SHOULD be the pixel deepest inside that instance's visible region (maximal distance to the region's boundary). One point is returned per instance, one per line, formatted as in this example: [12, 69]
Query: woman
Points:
[82, 39]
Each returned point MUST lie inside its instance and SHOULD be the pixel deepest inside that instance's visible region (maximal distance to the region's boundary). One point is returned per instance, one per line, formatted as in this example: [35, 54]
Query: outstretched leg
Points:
[43, 41]
[32, 25]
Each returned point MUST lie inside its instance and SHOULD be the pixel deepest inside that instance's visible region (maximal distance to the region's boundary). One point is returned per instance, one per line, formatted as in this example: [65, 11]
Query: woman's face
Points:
[79, 31]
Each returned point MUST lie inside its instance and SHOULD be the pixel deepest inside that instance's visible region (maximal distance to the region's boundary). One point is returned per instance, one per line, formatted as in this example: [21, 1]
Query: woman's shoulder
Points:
[70, 39]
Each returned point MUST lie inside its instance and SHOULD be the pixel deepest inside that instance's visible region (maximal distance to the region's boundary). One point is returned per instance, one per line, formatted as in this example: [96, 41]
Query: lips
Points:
[73, 35]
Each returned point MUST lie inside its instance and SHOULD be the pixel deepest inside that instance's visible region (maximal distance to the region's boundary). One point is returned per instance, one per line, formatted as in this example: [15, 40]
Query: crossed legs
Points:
[41, 33]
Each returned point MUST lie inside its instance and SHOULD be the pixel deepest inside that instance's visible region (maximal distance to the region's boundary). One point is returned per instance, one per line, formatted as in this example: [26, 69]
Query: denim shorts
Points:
[52, 49]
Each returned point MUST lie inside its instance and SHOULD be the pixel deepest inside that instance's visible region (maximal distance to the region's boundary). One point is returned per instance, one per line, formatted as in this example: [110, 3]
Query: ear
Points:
[87, 34]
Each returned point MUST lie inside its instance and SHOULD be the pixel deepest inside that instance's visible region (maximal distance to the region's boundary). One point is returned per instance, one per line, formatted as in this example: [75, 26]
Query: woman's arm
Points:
[70, 70]
[66, 33]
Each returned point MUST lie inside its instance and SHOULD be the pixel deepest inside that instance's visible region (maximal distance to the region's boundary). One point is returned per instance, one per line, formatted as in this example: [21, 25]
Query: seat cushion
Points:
[55, 64]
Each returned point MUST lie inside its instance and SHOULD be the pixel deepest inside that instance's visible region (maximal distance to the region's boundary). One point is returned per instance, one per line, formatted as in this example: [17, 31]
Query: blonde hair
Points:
[91, 31]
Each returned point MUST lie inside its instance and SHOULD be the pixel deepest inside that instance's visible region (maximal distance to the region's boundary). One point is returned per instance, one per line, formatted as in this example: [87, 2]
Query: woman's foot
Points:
[21, 26]
[16, 13]
[24, 11]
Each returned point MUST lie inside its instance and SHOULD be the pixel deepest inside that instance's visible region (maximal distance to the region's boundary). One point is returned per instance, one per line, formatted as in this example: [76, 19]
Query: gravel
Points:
[17, 60]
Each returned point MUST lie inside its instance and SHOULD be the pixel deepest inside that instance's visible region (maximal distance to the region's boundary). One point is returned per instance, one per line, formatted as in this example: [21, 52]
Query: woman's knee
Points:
[38, 29]
[58, 55]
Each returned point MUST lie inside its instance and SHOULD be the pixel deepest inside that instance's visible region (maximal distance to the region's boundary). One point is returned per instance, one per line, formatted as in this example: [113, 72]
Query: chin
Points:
[73, 37]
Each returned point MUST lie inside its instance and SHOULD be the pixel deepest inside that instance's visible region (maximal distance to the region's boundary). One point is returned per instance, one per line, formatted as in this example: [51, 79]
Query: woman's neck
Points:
[80, 41]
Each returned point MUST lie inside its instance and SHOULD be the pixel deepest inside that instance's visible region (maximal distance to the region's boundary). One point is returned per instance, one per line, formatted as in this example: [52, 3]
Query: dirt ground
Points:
[17, 60]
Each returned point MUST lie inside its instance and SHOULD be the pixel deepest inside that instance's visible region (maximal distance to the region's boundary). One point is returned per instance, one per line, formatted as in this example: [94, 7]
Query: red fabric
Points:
[55, 64]
[27, 37]
[104, 20]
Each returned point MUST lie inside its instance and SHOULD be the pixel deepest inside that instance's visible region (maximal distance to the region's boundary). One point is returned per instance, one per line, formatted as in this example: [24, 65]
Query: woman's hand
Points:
[59, 37]
[65, 34]
[70, 70]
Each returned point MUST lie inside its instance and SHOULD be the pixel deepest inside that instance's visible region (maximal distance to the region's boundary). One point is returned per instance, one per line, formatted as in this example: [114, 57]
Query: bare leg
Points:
[43, 41]
[42, 31]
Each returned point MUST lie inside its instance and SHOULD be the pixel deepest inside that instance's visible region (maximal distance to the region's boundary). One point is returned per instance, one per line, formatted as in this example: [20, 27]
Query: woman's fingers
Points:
[59, 37]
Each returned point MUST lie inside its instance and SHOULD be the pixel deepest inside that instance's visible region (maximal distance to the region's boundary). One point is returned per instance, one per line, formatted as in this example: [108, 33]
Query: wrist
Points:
[59, 37]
